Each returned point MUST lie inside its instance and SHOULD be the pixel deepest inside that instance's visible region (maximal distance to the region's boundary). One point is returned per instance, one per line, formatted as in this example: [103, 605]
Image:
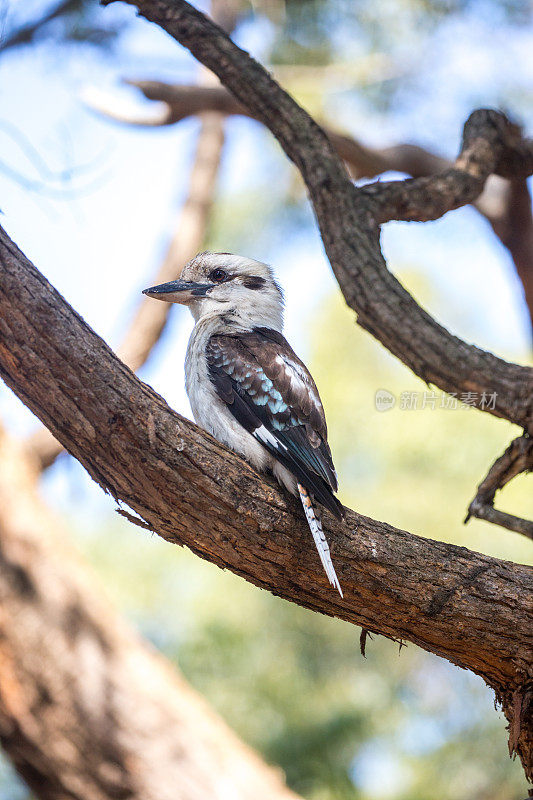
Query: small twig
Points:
[362, 640]
[135, 519]
[517, 458]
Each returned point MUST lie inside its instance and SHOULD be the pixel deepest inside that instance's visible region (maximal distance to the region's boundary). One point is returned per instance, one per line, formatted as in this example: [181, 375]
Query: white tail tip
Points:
[313, 520]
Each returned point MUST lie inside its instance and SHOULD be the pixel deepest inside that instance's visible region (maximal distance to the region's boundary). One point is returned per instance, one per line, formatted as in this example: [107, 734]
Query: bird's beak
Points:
[178, 291]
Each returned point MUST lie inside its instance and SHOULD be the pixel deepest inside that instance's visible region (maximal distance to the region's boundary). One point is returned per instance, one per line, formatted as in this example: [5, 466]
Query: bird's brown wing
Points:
[272, 395]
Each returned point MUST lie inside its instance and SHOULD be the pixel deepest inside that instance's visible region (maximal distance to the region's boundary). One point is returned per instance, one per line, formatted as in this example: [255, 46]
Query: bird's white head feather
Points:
[239, 292]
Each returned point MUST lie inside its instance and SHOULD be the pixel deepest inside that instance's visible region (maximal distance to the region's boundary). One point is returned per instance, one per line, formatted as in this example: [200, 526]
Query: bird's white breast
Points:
[207, 408]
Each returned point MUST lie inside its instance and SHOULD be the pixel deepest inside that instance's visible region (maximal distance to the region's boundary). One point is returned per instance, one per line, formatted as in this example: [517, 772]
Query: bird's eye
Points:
[218, 275]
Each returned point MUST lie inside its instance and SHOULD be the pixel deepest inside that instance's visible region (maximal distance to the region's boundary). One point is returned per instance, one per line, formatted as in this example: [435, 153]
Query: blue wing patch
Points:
[270, 393]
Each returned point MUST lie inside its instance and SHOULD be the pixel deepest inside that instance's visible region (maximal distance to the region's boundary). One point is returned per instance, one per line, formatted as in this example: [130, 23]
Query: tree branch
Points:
[349, 217]
[26, 33]
[517, 458]
[87, 710]
[505, 204]
[469, 608]
[491, 145]
[514, 226]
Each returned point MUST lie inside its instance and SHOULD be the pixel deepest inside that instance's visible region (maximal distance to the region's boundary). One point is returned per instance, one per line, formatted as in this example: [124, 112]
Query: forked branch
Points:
[349, 217]
[491, 146]
[517, 458]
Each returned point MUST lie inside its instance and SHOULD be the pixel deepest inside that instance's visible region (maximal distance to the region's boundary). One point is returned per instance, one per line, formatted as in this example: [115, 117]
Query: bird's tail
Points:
[313, 520]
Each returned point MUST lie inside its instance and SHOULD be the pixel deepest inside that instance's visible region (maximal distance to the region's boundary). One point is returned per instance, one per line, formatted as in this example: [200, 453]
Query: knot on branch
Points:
[491, 138]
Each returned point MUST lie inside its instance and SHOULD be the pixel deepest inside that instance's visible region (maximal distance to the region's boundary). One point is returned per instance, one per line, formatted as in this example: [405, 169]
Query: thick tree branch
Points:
[301, 138]
[469, 608]
[349, 217]
[517, 458]
[87, 710]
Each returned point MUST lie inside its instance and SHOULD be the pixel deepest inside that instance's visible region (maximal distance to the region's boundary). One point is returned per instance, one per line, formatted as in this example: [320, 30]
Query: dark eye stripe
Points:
[253, 282]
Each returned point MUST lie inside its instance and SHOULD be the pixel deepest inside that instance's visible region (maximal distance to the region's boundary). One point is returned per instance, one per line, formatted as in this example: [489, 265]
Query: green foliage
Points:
[313, 30]
[344, 35]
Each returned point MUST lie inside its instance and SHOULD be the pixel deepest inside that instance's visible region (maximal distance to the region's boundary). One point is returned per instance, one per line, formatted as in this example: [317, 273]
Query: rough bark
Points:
[469, 608]
[350, 217]
[87, 710]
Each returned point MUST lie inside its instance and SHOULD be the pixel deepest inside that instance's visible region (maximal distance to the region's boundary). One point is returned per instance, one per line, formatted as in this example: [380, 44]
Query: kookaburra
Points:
[246, 385]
